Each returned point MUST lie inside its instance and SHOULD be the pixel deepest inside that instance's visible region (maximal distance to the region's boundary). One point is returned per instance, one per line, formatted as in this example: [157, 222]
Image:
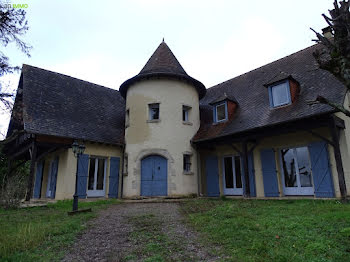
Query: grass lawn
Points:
[42, 233]
[273, 230]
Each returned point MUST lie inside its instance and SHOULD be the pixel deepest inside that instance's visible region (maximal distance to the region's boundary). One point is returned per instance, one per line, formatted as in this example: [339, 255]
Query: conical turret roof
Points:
[163, 63]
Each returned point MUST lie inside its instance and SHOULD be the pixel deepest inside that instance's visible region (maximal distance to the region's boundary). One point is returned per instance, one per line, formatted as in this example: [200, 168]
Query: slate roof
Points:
[59, 105]
[163, 63]
[254, 110]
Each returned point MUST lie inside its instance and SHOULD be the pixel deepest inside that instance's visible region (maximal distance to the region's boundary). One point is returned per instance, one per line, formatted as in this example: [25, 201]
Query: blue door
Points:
[154, 176]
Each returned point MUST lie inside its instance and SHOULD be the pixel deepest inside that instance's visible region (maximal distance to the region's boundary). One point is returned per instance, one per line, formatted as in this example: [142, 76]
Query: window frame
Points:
[186, 112]
[235, 191]
[289, 100]
[97, 192]
[298, 190]
[127, 118]
[150, 107]
[215, 111]
[187, 156]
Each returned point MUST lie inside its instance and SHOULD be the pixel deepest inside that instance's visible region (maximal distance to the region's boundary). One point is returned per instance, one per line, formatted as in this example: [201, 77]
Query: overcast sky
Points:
[107, 42]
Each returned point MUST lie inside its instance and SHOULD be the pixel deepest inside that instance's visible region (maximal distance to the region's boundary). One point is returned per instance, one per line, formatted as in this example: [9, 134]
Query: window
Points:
[153, 110]
[185, 113]
[280, 94]
[220, 112]
[127, 118]
[296, 171]
[96, 179]
[233, 176]
[187, 163]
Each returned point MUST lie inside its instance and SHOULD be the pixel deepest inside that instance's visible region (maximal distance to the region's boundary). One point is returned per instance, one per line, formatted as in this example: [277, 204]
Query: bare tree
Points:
[335, 56]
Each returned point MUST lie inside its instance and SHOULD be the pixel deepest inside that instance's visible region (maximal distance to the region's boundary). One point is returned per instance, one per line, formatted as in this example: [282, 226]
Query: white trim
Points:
[298, 190]
[231, 191]
[48, 192]
[216, 112]
[94, 192]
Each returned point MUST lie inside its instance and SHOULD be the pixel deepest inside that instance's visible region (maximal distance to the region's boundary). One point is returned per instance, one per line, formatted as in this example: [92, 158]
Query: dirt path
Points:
[139, 232]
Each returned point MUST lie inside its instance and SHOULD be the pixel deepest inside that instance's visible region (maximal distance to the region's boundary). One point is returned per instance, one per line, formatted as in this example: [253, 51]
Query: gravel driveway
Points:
[139, 232]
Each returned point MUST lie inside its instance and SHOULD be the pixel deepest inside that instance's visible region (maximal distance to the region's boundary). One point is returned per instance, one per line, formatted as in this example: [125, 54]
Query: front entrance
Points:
[296, 171]
[232, 176]
[154, 176]
[97, 177]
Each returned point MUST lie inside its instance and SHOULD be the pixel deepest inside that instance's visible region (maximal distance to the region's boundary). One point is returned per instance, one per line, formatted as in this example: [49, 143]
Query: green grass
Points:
[273, 230]
[42, 233]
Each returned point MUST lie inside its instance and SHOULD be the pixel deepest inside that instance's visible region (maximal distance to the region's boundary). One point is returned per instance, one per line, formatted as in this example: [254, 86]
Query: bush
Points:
[14, 191]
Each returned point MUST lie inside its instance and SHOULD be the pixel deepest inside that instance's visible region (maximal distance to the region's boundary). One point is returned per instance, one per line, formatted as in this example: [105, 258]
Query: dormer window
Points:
[279, 94]
[220, 112]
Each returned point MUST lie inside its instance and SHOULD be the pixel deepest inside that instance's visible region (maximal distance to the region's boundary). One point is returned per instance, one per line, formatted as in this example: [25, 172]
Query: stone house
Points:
[164, 134]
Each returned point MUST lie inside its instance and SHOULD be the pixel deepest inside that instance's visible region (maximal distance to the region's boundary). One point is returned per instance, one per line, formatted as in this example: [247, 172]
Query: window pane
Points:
[91, 174]
[221, 112]
[238, 172]
[154, 111]
[187, 163]
[280, 94]
[185, 114]
[288, 166]
[304, 167]
[228, 172]
[100, 174]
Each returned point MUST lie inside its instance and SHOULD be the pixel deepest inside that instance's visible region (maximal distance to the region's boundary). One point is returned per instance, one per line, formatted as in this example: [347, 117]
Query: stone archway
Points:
[160, 152]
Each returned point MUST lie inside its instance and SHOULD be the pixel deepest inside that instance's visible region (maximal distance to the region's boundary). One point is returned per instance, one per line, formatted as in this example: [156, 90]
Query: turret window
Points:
[186, 113]
[153, 110]
[187, 163]
[127, 118]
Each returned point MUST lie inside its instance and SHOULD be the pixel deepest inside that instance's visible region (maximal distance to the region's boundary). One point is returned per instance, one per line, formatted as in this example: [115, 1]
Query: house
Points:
[164, 134]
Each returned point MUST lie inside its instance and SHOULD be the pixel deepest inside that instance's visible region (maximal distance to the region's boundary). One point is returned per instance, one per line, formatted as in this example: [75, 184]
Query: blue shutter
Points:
[83, 167]
[114, 177]
[54, 172]
[212, 173]
[38, 179]
[251, 174]
[268, 163]
[321, 172]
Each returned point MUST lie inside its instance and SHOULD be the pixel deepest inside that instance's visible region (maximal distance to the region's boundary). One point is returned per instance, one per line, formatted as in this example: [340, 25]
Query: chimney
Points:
[327, 32]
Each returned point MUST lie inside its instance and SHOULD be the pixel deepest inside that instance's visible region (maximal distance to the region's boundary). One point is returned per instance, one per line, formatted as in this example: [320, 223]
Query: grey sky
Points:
[107, 42]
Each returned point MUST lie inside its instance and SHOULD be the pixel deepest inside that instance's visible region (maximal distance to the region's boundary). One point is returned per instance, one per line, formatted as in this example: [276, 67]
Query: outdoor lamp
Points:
[78, 149]
[75, 148]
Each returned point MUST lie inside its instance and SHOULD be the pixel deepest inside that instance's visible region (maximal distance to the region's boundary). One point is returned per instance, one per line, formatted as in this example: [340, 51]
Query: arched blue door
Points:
[154, 176]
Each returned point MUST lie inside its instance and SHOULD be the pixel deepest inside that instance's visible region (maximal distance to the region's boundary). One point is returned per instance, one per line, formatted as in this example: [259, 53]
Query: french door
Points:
[232, 175]
[97, 177]
[296, 171]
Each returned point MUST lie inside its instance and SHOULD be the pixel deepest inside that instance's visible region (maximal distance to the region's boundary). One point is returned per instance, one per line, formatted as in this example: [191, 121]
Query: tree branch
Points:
[325, 101]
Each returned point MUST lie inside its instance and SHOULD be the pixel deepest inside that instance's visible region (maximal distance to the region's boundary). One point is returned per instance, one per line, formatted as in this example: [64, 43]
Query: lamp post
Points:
[78, 149]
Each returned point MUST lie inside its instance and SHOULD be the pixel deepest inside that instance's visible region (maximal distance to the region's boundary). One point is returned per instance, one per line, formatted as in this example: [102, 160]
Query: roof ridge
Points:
[88, 82]
[275, 61]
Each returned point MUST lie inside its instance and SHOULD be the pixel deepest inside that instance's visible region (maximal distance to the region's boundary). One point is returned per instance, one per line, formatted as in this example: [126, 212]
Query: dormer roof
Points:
[280, 76]
[163, 63]
[223, 97]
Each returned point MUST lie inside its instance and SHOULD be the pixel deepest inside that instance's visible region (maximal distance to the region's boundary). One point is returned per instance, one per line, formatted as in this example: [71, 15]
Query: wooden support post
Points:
[338, 160]
[31, 172]
[245, 168]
